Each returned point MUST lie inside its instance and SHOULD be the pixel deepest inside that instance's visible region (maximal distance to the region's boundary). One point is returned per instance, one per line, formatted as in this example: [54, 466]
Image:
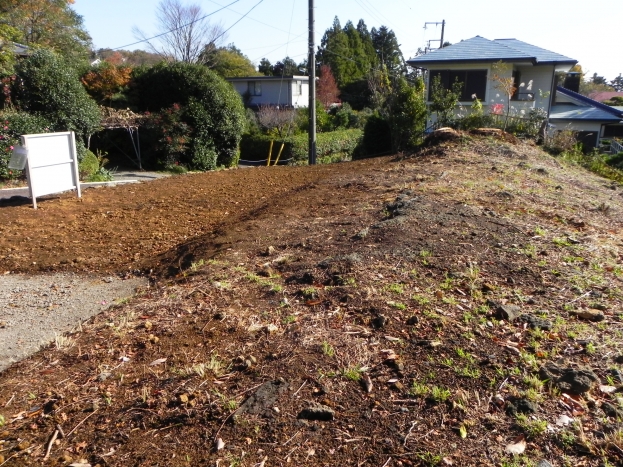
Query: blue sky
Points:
[588, 31]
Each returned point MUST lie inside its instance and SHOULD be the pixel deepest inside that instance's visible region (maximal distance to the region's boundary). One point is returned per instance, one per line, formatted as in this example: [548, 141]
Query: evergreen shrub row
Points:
[330, 147]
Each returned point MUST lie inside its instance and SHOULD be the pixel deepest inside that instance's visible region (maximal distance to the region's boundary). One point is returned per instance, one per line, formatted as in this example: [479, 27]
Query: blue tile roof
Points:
[574, 112]
[479, 49]
[590, 103]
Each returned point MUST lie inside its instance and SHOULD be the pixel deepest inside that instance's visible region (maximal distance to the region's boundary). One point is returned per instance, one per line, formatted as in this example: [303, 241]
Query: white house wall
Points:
[575, 125]
[539, 76]
[276, 92]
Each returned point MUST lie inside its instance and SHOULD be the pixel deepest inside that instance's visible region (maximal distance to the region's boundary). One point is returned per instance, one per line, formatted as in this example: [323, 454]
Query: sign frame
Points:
[52, 164]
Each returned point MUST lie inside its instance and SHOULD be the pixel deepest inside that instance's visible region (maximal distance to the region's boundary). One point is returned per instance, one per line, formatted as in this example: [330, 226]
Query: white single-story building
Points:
[286, 91]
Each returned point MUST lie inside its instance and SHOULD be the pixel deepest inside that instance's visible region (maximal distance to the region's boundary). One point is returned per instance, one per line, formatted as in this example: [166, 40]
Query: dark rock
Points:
[535, 322]
[379, 322]
[317, 412]
[541, 171]
[589, 315]
[619, 358]
[571, 380]
[508, 312]
[306, 277]
[264, 398]
[504, 195]
[611, 410]
[521, 406]
[413, 320]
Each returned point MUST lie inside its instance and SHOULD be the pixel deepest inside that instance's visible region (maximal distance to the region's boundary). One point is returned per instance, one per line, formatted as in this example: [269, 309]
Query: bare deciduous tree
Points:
[184, 33]
[275, 121]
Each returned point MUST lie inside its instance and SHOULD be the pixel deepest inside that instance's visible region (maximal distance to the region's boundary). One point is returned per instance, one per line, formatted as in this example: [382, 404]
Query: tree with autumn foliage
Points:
[327, 91]
[52, 24]
[107, 80]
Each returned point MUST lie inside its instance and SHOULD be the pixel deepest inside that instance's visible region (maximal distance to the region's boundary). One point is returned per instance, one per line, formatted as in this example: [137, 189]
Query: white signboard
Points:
[52, 164]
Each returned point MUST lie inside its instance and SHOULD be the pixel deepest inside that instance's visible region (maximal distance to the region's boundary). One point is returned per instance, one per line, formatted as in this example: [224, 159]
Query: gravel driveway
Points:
[34, 310]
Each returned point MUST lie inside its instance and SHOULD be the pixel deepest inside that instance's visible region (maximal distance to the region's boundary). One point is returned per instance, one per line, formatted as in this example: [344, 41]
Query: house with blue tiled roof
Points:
[535, 73]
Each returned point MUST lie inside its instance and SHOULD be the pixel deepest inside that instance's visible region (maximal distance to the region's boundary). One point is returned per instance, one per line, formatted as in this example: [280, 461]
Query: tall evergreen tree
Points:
[265, 67]
[360, 63]
[388, 50]
[335, 51]
[368, 46]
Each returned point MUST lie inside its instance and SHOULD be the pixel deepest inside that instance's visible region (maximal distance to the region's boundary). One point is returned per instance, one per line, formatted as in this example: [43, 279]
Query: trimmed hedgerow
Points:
[333, 146]
[209, 107]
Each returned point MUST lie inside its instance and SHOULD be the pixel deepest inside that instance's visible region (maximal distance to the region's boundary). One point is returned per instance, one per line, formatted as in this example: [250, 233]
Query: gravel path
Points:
[36, 309]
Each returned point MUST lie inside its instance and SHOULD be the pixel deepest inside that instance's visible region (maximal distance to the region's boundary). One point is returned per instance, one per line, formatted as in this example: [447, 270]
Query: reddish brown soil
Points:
[316, 277]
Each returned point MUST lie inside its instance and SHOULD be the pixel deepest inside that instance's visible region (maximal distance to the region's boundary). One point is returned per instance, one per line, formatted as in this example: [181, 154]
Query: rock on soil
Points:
[571, 380]
[36, 309]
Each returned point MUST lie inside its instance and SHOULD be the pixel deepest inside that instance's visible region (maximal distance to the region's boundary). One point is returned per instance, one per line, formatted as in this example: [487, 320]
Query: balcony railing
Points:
[616, 147]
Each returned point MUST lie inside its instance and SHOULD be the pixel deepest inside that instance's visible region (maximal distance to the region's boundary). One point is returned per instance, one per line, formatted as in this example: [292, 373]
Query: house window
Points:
[298, 88]
[613, 131]
[255, 88]
[474, 82]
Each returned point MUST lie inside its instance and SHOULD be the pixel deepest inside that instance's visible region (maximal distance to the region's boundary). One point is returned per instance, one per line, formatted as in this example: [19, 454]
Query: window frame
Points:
[448, 76]
[254, 88]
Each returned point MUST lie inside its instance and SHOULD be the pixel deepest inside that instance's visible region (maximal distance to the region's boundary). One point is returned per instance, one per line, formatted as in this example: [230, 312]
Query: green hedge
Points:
[330, 147]
[201, 100]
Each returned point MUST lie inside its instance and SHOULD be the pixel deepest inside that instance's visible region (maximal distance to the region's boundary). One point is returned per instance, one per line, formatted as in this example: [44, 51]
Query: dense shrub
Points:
[330, 147]
[376, 140]
[48, 87]
[406, 114]
[15, 124]
[209, 106]
[92, 168]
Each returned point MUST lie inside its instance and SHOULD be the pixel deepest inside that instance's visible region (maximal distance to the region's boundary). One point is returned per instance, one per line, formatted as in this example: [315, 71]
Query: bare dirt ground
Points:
[461, 306]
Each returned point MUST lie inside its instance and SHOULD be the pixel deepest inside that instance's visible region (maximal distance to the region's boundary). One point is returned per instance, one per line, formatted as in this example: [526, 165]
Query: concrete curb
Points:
[8, 193]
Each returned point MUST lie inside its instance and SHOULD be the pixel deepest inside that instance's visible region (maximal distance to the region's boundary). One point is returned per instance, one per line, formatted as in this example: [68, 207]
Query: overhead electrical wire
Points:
[241, 18]
[180, 27]
[252, 19]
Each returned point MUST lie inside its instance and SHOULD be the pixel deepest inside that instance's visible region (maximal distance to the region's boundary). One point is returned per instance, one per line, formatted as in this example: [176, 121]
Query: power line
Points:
[180, 27]
[241, 18]
[252, 19]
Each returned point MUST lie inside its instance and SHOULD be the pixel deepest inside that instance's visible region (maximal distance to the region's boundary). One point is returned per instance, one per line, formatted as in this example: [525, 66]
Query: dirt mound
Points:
[384, 312]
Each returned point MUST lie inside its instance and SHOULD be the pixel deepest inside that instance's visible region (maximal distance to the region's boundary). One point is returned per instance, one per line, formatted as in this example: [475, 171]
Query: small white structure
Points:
[51, 164]
[286, 91]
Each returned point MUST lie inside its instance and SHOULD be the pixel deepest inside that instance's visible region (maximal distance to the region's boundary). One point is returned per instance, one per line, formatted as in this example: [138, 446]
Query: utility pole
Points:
[312, 87]
[443, 26]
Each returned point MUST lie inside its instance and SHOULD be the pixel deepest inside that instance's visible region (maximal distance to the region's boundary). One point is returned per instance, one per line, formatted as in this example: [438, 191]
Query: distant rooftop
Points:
[479, 49]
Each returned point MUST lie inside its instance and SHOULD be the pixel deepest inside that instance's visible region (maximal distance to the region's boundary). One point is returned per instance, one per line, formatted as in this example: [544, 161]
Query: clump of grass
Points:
[398, 289]
[440, 394]
[352, 373]
[327, 349]
[531, 427]
[62, 341]
[419, 389]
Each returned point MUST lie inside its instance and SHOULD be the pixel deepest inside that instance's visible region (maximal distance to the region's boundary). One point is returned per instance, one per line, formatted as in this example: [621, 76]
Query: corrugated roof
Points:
[479, 49]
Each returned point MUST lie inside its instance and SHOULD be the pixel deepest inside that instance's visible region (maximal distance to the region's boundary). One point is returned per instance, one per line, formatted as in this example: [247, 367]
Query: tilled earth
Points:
[461, 306]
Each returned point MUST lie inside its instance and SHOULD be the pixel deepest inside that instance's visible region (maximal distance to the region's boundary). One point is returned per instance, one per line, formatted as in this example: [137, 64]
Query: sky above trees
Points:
[278, 28]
